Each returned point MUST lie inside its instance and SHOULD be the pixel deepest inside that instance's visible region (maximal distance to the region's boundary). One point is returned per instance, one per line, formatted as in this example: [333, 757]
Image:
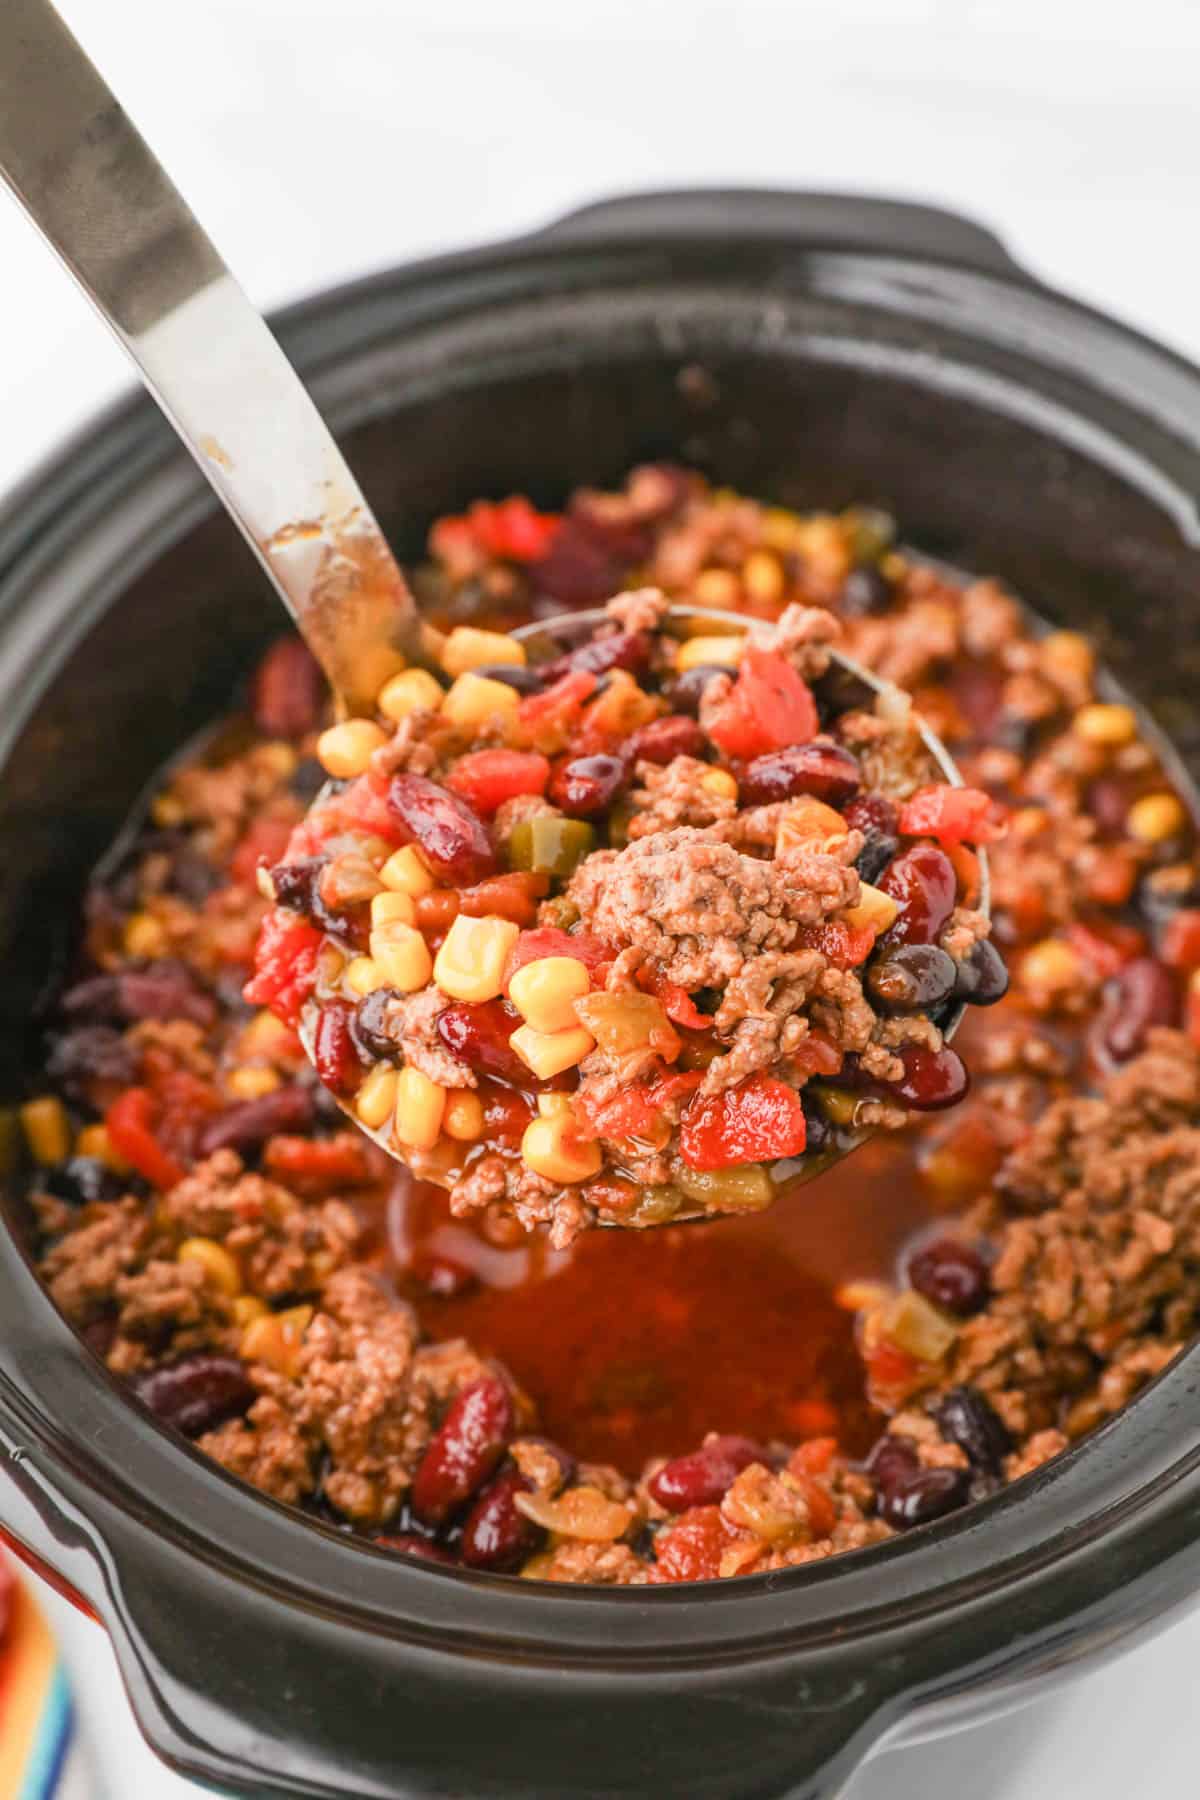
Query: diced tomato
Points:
[1181, 940]
[364, 806]
[815, 1456]
[888, 1366]
[548, 940]
[1106, 945]
[635, 1110]
[815, 1055]
[265, 842]
[691, 1547]
[319, 1165]
[511, 530]
[487, 778]
[513, 896]
[546, 718]
[285, 965]
[677, 1003]
[130, 1122]
[846, 946]
[1191, 1011]
[770, 707]
[759, 1120]
[822, 1509]
[953, 815]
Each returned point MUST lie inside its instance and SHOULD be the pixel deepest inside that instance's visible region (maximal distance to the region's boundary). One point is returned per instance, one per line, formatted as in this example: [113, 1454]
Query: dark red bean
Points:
[865, 591]
[442, 1276]
[662, 740]
[586, 785]
[932, 1079]
[247, 1126]
[892, 1460]
[1143, 995]
[919, 1499]
[576, 570]
[409, 1544]
[966, 1419]
[982, 976]
[826, 771]
[335, 1053]
[923, 881]
[287, 693]
[703, 1477]
[81, 1181]
[478, 1035]
[295, 883]
[497, 1535]
[514, 675]
[165, 989]
[911, 978]
[619, 650]
[463, 1451]
[452, 837]
[87, 1055]
[951, 1274]
[198, 1393]
[684, 692]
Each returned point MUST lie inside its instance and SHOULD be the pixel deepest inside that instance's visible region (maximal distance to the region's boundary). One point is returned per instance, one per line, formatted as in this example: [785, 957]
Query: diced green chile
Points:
[550, 846]
[745, 1188]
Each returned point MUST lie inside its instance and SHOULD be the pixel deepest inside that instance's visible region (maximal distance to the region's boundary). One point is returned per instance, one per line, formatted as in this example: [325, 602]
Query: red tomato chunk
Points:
[487, 778]
[760, 1120]
[769, 707]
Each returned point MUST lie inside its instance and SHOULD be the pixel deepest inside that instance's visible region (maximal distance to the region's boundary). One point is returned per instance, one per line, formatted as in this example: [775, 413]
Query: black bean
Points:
[866, 590]
[88, 1054]
[685, 692]
[81, 1180]
[982, 975]
[919, 1499]
[966, 1419]
[308, 779]
[370, 1026]
[911, 978]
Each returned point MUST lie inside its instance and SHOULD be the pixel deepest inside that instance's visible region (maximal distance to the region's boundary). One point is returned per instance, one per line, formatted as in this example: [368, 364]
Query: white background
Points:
[319, 139]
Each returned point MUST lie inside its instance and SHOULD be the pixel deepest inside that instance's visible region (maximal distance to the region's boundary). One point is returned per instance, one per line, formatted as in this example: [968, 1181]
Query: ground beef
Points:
[963, 931]
[268, 1448]
[891, 753]
[165, 1311]
[674, 794]
[410, 1023]
[283, 1246]
[82, 1269]
[639, 609]
[804, 634]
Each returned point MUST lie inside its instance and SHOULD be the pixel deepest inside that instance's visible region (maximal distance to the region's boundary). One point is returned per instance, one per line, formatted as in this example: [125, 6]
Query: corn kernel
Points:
[47, 1132]
[1156, 818]
[724, 651]
[874, 908]
[762, 577]
[277, 758]
[716, 587]
[721, 783]
[467, 648]
[470, 963]
[362, 976]
[402, 956]
[549, 1147]
[1068, 654]
[413, 690]
[167, 810]
[463, 1117]
[405, 873]
[393, 906]
[420, 1106]
[345, 750]
[277, 1339]
[544, 992]
[376, 1098]
[251, 1081]
[217, 1262]
[548, 1053]
[475, 699]
[1109, 727]
[248, 1306]
[1050, 967]
[94, 1141]
[265, 1035]
[144, 935]
[554, 1106]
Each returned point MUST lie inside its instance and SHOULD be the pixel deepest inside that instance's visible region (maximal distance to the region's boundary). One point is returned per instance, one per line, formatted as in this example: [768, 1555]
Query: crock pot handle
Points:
[832, 221]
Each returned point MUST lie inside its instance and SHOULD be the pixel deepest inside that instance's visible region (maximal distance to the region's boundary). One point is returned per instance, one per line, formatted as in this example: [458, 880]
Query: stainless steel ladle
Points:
[104, 203]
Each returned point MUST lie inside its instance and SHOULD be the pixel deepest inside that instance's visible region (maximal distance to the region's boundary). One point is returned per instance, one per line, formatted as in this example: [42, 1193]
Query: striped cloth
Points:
[40, 1757]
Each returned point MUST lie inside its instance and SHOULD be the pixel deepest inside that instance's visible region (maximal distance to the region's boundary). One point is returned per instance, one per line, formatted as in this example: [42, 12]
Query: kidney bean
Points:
[576, 570]
[620, 650]
[919, 1499]
[478, 1035]
[287, 693]
[463, 1451]
[198, 1393]
[250, 1124]
[409, 1544]
[165, 989]
[911, 978]
[982, 976]
[866, 590]
[496, 1535]
[662, 740]
[966, 1419]
[81, 1181]
[684, 692]
[824, 770]
[585, 785]
[923, 881]
[1143, 996]
[703, 1477]
[524, 680]
[932, 1079]
[951, 1274]
[90, 1053]
[335, 1053]
[452, 837]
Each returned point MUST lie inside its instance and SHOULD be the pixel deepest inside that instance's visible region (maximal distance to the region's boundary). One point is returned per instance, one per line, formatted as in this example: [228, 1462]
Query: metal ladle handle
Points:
[104, 203]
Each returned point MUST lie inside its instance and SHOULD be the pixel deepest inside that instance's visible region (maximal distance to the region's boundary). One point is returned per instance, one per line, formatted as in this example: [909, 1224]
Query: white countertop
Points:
[1069, 126]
